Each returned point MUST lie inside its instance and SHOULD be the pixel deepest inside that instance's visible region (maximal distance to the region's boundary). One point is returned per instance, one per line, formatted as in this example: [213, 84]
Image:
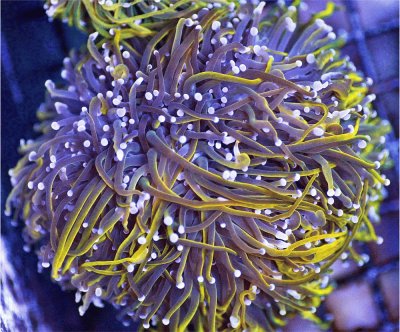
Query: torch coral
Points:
[207, 179]
[135, 18]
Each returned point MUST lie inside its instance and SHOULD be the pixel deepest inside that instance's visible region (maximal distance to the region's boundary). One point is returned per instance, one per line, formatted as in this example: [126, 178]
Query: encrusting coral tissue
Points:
[204, 177]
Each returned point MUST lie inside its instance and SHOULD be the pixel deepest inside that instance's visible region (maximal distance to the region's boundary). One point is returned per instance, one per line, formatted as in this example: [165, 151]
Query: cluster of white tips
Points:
[229, 175]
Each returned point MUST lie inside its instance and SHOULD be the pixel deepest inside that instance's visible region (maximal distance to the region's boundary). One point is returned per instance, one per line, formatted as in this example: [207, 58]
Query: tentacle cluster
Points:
[208, 178]
[134, 18]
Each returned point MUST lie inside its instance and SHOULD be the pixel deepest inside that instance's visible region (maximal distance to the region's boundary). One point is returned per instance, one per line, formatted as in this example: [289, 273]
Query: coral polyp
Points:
[134, 18]
[207, 179]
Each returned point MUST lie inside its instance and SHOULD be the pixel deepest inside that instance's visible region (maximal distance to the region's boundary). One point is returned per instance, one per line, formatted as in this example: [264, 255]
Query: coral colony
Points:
[207, 176]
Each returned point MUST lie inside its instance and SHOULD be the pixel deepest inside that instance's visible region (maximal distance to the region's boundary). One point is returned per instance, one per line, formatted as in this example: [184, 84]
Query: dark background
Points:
[32, 52]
